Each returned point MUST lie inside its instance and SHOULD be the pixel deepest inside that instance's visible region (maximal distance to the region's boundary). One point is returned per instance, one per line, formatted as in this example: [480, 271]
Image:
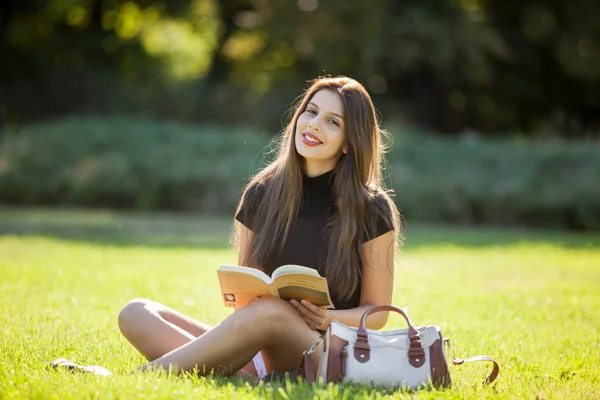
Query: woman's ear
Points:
[345, 149]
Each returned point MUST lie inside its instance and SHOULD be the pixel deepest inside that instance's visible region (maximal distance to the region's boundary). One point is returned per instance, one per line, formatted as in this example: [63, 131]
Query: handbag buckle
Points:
[455, 361]
[314, 347]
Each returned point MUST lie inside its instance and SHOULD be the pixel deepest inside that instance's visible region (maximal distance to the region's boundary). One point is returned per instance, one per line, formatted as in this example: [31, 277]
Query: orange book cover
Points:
[241, 285]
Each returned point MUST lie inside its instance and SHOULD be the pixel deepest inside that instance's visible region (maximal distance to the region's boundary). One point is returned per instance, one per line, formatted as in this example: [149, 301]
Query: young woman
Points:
[320, 204]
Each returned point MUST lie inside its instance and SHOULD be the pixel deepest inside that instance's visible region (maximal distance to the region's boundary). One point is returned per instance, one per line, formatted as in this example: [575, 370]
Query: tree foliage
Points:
[452, 65]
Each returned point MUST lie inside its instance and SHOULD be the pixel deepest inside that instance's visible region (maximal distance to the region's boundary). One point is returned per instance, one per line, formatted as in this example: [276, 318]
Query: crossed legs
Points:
[170, 339]
[155, 329]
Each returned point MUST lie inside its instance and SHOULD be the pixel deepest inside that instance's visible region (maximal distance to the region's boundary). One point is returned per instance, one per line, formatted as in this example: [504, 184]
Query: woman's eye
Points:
[334, 122]
[310, 111]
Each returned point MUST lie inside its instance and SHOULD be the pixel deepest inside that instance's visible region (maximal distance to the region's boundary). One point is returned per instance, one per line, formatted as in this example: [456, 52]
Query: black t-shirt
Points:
[306, 243]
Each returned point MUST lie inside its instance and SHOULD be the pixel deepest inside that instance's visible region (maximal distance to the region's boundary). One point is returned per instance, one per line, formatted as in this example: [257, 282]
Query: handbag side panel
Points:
[332, 367]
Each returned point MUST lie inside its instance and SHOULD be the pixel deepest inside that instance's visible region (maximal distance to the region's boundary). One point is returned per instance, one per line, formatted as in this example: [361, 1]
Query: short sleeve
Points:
[381, 214]
[252, 199]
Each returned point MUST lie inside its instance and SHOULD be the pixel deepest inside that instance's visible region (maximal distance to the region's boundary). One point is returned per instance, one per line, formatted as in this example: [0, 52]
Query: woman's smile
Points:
[310, 140]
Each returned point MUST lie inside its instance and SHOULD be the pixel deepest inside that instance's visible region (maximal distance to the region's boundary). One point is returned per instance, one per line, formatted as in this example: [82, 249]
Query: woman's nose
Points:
[314, 124]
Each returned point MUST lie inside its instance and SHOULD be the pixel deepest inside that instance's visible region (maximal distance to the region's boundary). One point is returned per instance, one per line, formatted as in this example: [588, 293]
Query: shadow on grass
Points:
[192, 230]
[119, 229]
[294, 388]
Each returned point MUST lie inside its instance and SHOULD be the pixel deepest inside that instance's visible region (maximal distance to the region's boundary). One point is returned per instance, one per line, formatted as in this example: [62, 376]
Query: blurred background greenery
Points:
[170, 105]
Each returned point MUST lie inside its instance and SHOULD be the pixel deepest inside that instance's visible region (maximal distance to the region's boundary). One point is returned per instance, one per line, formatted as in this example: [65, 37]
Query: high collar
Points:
[318, 185]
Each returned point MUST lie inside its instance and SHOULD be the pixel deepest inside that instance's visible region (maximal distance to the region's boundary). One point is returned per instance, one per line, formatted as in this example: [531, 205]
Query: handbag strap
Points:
[307, 369]
[459, 361]
[362, 327]
[362, 349]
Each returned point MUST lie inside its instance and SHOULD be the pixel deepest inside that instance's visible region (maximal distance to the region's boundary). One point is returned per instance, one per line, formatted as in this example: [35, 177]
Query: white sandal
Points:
[71, 366]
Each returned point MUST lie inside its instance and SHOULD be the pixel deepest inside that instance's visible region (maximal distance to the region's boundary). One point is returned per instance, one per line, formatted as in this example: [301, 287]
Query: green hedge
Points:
[126, 163]
[509, 182]
[142, 164]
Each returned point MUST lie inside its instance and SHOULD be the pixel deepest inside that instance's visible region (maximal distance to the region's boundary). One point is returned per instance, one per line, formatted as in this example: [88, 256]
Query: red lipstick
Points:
[309, 142]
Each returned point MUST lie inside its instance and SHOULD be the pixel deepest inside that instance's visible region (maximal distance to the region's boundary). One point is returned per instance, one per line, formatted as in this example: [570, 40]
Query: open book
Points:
[241, 285]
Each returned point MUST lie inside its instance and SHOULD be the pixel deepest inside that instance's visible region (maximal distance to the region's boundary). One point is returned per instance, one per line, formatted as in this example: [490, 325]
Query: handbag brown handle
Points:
[362, 350]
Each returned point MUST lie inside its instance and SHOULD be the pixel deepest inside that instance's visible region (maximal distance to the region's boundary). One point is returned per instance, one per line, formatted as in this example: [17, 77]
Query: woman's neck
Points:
[315, 168]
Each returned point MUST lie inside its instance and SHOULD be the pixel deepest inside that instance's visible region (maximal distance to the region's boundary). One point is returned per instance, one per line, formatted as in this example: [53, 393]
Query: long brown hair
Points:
[357, 180]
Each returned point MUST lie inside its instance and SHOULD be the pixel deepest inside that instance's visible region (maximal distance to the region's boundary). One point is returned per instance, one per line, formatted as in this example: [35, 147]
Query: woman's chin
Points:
[310, 156]
[306, 152]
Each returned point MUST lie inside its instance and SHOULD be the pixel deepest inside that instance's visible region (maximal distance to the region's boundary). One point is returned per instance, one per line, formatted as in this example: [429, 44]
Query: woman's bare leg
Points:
[269, 324]
[155, 330]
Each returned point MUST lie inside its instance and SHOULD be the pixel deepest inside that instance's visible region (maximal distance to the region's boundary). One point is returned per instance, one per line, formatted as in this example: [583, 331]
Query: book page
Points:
[239, 289]
[294, 269]
[246, 270]
[303, 287]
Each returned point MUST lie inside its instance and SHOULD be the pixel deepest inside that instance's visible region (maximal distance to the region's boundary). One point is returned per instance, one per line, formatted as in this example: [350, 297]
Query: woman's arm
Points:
[377, 283]
[377, 287]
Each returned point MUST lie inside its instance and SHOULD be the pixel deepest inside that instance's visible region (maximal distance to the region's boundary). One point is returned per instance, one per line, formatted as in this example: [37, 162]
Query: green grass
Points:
[530, 299]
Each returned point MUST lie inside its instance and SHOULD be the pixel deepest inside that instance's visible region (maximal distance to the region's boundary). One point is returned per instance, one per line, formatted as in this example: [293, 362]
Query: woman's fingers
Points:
[321, 318]
[312, 319]
[303, 310]
[315, 310]
[308, 308]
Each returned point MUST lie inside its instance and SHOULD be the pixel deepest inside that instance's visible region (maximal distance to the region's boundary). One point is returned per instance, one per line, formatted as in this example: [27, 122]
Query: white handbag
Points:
[409, 358]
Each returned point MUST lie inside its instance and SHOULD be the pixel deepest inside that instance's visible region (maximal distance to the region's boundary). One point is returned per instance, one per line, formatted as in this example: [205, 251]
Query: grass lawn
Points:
[530, 299]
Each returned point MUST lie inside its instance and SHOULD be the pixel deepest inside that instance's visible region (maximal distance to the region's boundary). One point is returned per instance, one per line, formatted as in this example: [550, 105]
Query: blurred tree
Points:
[552, 79]
[101, 56]
[450, 65]
[454, 65]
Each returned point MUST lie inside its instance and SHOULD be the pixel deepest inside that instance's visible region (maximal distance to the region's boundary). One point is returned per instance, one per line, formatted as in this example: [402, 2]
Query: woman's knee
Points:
[270, 314]
[132, 314]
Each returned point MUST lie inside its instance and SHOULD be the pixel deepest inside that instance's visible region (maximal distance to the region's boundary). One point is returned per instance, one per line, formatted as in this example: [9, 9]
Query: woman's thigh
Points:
[185, 322]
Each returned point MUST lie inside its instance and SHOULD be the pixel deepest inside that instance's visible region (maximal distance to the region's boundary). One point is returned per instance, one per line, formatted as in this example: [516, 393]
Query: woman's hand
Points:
[315, 317]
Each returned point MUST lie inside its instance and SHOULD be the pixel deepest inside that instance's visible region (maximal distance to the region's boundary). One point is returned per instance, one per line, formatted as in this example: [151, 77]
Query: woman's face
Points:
[320, 135]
